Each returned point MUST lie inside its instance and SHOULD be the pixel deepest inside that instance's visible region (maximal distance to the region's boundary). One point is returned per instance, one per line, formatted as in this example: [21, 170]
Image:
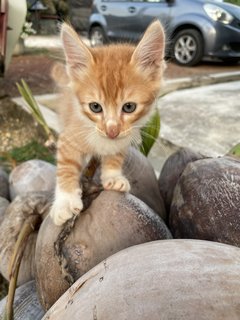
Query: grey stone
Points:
[32, 176]
[4, 187]
[26, 305]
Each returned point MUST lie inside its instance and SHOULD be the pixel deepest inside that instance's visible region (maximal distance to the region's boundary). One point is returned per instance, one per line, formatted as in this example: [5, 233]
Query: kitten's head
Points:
[115, 85]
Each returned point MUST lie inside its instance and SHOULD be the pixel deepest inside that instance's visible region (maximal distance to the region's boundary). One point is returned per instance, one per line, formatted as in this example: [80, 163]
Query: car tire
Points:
[187, 47]
[97, 36]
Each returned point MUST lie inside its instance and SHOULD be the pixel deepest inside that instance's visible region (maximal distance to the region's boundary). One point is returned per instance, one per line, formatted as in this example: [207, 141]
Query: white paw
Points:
[65, 206]
[118, 183]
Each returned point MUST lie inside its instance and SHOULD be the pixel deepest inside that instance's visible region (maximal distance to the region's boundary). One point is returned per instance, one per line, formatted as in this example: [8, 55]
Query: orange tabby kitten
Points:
[108, 97]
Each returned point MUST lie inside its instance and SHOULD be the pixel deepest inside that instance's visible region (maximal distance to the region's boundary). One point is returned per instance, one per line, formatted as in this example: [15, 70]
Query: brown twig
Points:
[29, 225]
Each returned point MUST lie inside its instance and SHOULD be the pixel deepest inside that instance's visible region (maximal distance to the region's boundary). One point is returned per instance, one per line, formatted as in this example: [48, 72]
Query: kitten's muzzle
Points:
[112, 132]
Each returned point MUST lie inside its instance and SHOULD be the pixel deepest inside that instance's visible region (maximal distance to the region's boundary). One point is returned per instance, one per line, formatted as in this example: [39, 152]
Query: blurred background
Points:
[37, 44]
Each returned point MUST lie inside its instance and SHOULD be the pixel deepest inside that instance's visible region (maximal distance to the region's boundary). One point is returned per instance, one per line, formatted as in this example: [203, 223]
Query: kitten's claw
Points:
[118, 183]
[65, 206]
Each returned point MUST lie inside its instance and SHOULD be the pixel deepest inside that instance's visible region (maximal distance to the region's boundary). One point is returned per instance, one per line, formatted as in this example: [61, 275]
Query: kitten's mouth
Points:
[119, 137]
[112, 137]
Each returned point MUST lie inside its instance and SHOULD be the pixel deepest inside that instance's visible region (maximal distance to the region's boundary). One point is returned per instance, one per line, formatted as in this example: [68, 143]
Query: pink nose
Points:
[112, 132]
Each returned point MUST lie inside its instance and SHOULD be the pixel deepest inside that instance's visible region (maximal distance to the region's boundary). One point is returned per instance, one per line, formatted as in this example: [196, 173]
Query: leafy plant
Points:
[235, 150]
[32, 105]
[32, 150]
[150, 133]
[236, 2]
[34, 109]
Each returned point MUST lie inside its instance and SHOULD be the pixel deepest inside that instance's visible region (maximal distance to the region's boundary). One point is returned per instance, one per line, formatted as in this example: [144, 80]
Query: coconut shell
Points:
[144, 185]
[172, 279]
[14, 217]
[4, 185]
[4, 203]
[172, 170]
[143, 181]
[113, 222]
[26, 305]
[206, 203]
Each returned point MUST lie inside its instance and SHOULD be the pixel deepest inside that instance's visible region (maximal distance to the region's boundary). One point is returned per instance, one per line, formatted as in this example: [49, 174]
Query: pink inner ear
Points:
[76, 52]
[150, 50]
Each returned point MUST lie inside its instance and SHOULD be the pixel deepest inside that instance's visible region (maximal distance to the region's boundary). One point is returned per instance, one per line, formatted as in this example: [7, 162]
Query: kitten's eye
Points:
[95, 107]
[129, 107]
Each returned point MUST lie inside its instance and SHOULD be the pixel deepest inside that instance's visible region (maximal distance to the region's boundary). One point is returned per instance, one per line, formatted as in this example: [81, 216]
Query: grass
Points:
[32, 150]
[235, 150]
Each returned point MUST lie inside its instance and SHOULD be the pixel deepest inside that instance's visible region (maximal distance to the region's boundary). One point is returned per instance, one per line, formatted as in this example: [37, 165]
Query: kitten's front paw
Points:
[118, 183]
[65, 206]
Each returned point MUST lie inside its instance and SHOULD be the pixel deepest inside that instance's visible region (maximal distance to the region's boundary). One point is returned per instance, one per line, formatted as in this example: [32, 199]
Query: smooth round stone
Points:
[32, 176]
[4, 186]
[4, 203]
[114, 221]
[167, 279]
[206, 201]
[26, 305]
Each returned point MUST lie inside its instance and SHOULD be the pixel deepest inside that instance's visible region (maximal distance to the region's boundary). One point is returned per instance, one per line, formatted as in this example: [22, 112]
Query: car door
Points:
[146, 12]
[129, 19]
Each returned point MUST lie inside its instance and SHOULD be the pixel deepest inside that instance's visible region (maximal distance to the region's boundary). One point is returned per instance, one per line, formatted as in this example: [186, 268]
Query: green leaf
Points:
[32, 105]
[150, 133]
[235, 150]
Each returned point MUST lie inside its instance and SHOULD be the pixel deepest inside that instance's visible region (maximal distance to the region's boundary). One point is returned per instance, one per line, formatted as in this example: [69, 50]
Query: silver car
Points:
[195, 28]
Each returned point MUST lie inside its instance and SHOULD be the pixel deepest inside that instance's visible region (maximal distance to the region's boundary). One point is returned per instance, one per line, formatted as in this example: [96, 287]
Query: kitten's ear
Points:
[149, 53]
[78, 56]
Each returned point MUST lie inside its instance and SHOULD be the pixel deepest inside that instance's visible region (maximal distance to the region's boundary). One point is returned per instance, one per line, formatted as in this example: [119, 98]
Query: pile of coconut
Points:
[169, 249]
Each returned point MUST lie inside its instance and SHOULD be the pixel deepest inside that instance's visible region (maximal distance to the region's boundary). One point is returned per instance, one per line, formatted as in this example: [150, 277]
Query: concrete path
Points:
[206, 119]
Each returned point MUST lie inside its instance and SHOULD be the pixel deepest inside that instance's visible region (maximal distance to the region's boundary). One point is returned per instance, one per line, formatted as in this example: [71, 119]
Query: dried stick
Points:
[29, 225]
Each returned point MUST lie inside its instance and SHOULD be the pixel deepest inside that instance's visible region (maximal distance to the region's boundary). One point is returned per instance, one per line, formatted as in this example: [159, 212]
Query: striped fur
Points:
[111, 76]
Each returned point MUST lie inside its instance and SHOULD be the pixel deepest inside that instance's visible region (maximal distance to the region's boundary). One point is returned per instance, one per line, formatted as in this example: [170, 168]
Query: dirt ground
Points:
[35, 70]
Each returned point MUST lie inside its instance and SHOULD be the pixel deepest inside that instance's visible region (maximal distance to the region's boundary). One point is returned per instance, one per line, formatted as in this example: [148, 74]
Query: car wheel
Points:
[187, 48]
[97, 36]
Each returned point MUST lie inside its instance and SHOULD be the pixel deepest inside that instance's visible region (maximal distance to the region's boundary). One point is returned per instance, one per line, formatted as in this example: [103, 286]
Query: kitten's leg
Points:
[68, 193]
[112, 177]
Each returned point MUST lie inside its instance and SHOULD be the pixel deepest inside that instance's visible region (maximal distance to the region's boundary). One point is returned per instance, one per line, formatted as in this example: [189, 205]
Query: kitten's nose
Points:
[112, 131]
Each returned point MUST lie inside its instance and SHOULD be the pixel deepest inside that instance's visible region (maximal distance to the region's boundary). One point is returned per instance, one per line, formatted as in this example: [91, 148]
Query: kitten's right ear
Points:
[78, 56]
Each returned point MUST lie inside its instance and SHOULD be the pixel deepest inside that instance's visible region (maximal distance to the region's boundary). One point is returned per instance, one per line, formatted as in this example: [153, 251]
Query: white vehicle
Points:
[12, 18]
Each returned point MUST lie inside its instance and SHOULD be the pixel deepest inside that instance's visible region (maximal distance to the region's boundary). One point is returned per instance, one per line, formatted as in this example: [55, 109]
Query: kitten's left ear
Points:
[78, 56]
[149, 53]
